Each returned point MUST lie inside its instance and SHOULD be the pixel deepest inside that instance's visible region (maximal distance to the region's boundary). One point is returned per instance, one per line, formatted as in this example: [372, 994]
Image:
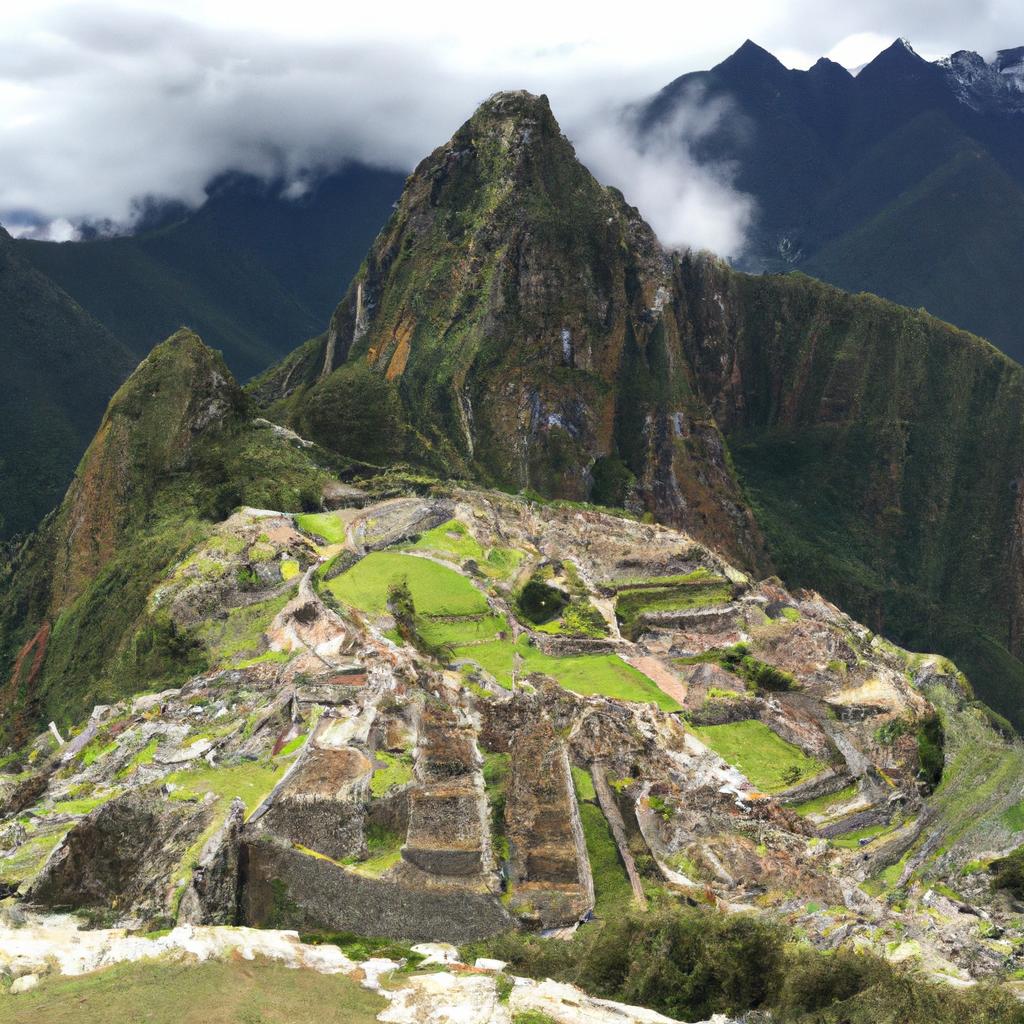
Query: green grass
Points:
[267, 657]
[397, 771]
[292, 745]
[452, 540]
[461, 631]
[762, 755]
[436, 590]
[606, 675]
[327, 525]
[583, 784]
[29, 858]
[1013, 817]
[144, 756]
[823, 803]
[83, 805]
[250, 781]
[612, 891]
[851, 840]
[700, 593]
[241, 632]
[215, 992]
[97, 749]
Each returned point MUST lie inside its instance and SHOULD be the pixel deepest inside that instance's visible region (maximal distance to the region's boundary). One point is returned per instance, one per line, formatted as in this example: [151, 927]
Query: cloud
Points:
[104, 103]
[689, 202]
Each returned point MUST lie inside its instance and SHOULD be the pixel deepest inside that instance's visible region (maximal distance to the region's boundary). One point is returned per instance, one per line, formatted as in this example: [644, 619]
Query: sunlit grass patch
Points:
[436, 590]
[453, 540]
[328, 525]
[770, 762]
[604, 675]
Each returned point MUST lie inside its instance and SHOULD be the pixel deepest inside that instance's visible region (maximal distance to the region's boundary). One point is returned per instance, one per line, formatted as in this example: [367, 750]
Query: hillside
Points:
[60, 369]
[904, 180]
[176, 448]
[515, 322]
[251, 269]
[501, 333]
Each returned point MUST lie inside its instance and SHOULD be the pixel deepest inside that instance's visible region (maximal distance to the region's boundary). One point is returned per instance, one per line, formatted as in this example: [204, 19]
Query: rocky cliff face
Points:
[525, 316]
[881, 449]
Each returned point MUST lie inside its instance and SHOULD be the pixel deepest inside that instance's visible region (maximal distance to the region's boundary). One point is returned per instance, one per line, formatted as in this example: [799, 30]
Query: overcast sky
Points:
[102, 102]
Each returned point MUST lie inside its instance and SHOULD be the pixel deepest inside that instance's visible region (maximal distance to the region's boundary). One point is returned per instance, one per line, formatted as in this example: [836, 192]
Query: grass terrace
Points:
[823, 804]
[771, 763]
[605, 675]
[698, 589]
[328, 525]
[454, 542]
[436, 590]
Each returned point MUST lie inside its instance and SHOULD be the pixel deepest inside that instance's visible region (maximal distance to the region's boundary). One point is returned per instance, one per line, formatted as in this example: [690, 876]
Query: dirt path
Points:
[666, 681]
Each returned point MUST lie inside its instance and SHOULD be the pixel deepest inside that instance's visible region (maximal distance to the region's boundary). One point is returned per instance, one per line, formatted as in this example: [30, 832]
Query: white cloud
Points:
[688, 203]
[104, 101]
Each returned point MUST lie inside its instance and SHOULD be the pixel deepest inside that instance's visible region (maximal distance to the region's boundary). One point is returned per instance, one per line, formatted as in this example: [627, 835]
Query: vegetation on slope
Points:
[60, 369]
[690, 964]
[176, 452]
[255, 271]
[878, 447]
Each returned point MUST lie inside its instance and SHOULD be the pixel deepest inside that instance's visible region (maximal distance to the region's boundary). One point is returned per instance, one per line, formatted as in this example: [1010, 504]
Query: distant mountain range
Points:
[60, 368]
[255, 271]
[906, 179]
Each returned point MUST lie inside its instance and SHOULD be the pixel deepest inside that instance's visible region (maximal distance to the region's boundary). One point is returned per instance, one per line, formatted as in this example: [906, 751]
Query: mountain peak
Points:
[513, 104]
[181, 392]
[825, 68]
[898, 57]
[751, 58]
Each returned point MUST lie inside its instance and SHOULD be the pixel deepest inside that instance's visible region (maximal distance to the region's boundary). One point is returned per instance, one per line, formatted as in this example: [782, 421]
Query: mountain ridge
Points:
[800, 142]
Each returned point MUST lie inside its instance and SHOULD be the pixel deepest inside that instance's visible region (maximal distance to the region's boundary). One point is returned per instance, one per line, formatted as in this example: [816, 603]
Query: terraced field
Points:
[762, 755]
[436, 590]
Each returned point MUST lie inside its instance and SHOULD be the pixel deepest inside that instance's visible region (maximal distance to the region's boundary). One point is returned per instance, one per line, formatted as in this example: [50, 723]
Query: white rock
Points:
[437, 953]
[486, 964]
[567, 1004]
[447, 999]
[374, 969]
[25, 983]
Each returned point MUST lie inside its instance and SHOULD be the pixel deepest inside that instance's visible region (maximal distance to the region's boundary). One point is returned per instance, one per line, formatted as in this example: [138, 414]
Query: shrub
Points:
[931, 741]
[355, 412]
[538, 603]
[690, 964]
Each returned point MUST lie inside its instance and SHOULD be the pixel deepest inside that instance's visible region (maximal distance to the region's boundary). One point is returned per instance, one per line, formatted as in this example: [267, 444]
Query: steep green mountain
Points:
[517, 323]
[905, 253]
[906, 180]
[881, 450]
[251, 268]
[175, 450]
[60, 368]
[513, 323]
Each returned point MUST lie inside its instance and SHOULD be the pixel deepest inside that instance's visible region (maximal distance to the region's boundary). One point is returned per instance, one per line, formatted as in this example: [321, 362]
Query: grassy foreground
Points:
[235, 992]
